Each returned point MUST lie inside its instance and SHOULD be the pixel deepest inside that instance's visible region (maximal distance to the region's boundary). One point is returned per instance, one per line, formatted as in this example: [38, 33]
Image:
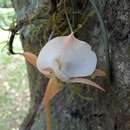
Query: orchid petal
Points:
[31, 58]
[98, 73]
[85, 81]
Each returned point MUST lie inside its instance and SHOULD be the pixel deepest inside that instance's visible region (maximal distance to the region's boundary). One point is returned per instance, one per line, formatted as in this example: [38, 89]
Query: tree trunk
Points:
[107, 111]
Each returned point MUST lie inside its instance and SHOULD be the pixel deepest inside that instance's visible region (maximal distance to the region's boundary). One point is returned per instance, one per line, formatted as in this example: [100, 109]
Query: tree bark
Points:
[107, 111]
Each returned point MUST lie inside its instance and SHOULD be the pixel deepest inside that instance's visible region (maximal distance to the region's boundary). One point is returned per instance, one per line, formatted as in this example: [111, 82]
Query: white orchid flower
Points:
[68, 59]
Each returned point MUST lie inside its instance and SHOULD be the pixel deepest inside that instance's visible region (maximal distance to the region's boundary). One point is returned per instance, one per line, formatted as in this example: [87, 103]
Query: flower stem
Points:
[67, 17]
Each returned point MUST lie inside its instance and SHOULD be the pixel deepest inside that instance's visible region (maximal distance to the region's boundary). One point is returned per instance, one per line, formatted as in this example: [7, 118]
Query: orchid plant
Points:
[65, 59]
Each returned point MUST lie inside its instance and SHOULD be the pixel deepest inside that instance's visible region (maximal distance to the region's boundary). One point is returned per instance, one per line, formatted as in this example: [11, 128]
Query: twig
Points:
[3, 46]
[67, 17]
[51, 35]
[4, 29]
[14, 31]
[84, 22]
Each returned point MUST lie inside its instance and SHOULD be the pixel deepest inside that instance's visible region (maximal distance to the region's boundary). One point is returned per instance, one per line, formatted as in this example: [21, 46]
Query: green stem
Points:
[104, 32]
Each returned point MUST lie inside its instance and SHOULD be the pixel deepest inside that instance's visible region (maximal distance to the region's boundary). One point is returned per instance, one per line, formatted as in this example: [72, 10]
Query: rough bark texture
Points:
[107, 111]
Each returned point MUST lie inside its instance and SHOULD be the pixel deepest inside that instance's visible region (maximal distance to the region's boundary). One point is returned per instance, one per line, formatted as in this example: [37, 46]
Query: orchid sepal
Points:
[85, 81]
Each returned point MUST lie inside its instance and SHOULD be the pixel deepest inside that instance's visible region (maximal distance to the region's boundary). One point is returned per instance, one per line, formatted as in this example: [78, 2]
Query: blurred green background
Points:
[14, 91]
